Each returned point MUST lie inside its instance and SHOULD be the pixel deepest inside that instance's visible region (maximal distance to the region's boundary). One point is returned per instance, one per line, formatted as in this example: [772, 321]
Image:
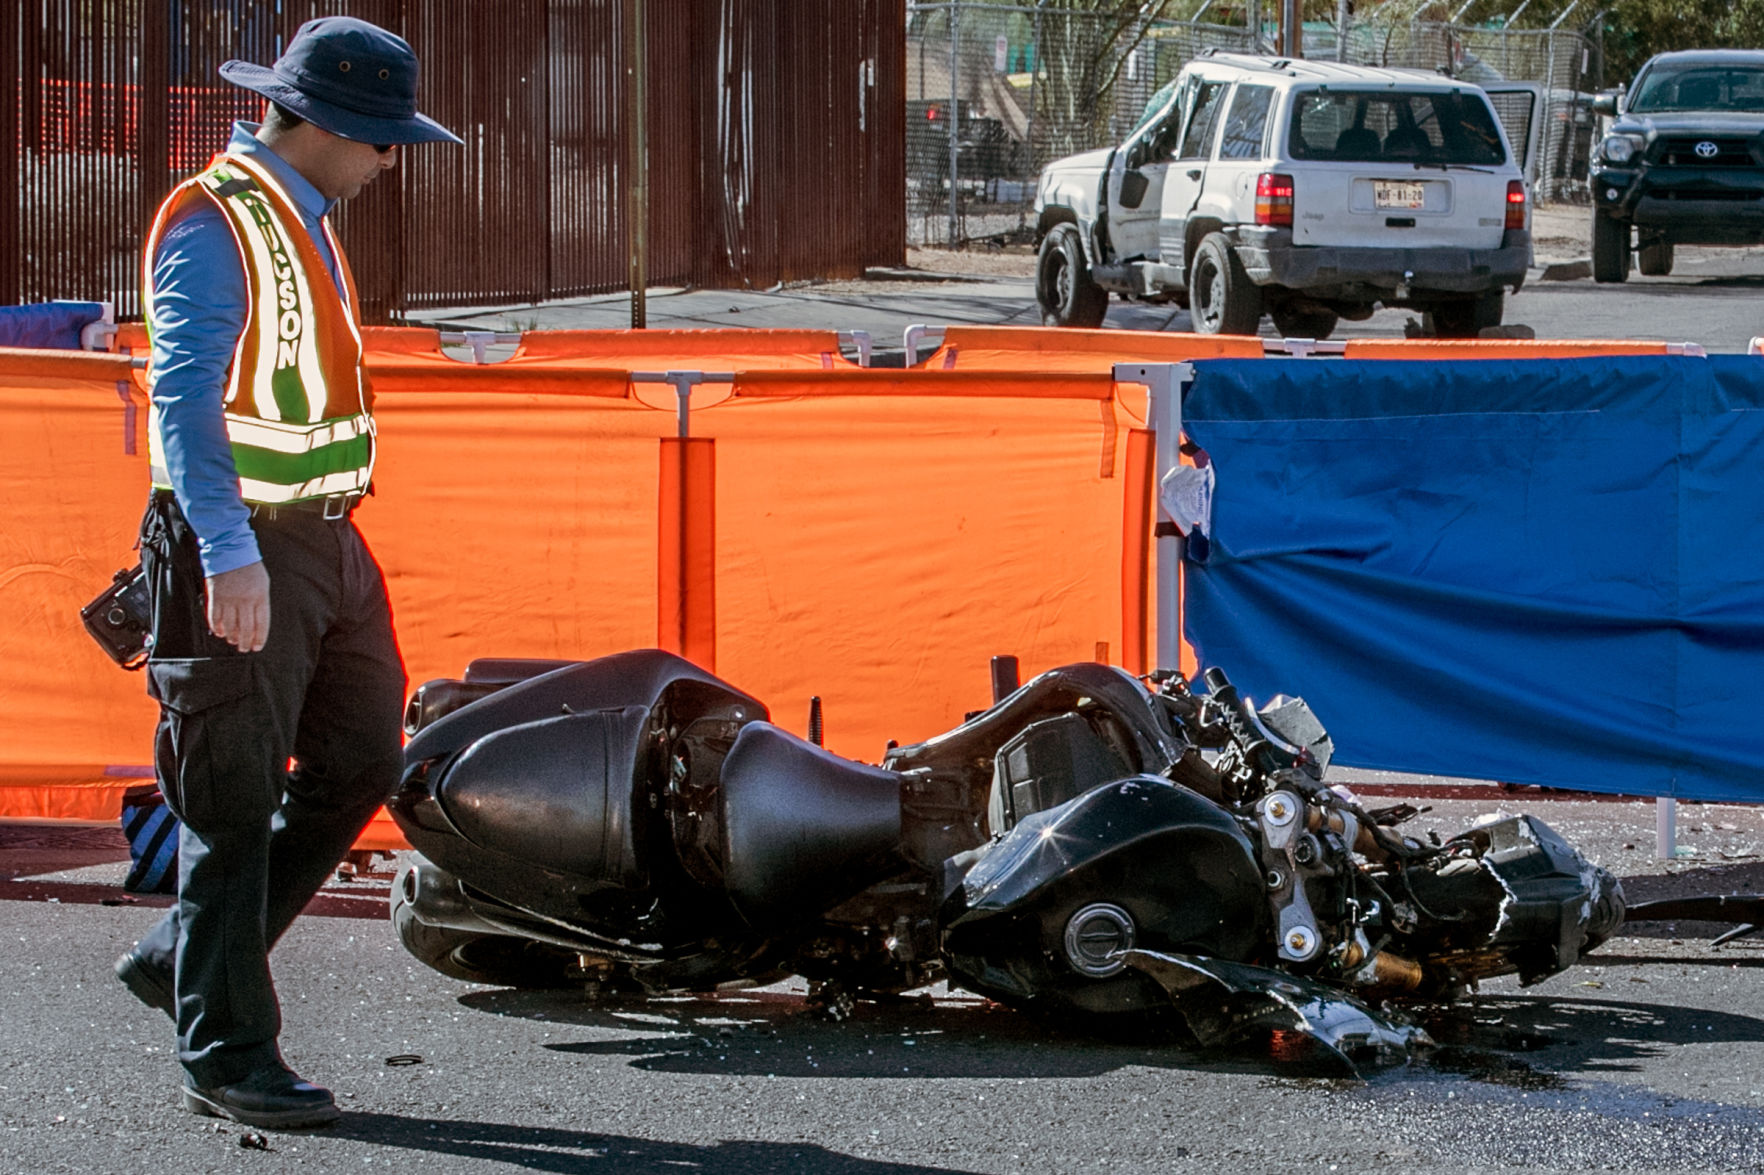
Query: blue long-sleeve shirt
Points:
[199, 310]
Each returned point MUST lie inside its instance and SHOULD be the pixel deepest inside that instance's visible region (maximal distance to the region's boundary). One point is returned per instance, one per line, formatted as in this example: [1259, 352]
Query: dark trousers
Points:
[274, 761]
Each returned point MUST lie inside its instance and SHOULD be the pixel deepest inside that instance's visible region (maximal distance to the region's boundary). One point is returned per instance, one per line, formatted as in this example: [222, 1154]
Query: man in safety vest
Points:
[273, 659]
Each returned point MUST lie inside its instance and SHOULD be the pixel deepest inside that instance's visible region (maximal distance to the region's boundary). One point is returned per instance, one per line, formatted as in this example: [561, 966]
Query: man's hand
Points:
[239, 606]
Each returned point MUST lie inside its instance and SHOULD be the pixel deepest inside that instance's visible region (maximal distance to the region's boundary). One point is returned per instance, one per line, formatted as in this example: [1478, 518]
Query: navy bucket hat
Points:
[348, 77]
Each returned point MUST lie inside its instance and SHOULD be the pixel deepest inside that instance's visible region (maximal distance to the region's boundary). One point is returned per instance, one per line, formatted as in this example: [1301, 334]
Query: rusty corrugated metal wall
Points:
[776, 135]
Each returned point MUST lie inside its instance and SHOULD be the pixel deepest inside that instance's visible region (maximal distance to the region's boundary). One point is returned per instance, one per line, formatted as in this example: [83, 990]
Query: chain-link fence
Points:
[995, 91]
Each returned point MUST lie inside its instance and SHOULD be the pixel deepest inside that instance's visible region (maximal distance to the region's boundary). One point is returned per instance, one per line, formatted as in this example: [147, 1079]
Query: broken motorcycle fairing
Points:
[1087, 847]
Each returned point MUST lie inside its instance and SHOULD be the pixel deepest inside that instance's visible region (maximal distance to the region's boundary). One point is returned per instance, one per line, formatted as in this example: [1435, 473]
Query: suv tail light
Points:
[1274, 199]
[1515, 204]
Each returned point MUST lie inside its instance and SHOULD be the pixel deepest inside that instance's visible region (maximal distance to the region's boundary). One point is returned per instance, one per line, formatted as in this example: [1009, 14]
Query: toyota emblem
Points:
[1707, 150]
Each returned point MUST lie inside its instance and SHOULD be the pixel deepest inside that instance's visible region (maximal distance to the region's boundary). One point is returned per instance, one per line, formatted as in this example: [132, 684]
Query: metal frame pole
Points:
[1163, 383]
[1665, 827]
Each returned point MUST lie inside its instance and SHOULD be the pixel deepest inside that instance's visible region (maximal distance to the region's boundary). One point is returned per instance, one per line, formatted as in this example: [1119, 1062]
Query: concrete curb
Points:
[887, 273]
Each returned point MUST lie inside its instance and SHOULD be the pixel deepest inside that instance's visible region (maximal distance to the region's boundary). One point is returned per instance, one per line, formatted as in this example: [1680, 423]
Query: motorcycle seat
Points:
[803, 829]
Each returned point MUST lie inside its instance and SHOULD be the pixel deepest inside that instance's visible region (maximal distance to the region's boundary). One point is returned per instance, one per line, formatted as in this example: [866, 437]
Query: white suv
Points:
[1308, 190]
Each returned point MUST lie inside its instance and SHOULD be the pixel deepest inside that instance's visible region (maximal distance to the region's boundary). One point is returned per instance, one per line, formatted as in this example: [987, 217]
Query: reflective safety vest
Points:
[298, 412]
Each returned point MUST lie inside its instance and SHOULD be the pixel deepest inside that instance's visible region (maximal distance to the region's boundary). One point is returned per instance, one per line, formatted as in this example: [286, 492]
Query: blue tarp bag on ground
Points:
[152, 833]
[1541, 571]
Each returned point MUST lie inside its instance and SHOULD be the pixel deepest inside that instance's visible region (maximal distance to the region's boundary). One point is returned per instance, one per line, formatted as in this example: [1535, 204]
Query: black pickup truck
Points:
[1683, 163]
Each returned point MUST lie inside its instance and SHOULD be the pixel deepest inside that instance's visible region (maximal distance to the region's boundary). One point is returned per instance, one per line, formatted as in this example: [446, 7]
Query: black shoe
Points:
[273, 1096]
[148, 983]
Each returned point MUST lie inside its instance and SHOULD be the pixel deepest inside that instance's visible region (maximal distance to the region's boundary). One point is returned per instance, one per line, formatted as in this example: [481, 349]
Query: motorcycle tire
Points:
[494, 960]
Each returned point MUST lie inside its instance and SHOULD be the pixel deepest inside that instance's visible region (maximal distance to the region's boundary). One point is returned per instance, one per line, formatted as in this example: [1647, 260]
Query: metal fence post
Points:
[11, 136]
[637, 143]
[955, 67]
[1034, 62]
[1547, 181]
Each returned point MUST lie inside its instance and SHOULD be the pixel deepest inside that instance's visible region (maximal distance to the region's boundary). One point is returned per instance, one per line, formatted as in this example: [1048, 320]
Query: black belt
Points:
[332, 508]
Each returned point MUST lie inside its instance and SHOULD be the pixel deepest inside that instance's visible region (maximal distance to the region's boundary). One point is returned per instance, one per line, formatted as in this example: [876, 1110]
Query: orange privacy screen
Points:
[869, 536]
[1038, 348]
[874, 540]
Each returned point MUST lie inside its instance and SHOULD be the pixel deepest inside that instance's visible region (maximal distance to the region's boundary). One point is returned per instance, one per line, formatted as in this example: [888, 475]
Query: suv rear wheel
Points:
[1222, 299]
[1610, 248]
[1063, 288]
[1312, 323]
[1466, 320]
[1654, 259]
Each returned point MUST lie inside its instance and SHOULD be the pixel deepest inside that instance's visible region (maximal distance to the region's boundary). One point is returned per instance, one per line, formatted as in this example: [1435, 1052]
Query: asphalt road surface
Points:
[1712, 298]
[1649, 1057]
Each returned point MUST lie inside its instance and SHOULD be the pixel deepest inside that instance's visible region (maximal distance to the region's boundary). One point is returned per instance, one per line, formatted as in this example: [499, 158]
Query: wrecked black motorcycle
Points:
[1089, 847]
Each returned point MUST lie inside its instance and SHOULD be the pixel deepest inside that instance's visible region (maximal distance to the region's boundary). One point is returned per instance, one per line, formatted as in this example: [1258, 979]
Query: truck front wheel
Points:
[1221, 297]
[1610, 248]
[1063, 288]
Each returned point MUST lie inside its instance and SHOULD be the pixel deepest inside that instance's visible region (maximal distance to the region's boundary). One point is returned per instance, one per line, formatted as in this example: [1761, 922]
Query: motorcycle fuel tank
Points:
[1044, 914]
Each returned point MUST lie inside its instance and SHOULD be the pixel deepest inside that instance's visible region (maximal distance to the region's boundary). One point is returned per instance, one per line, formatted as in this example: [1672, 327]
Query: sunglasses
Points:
[383, 148]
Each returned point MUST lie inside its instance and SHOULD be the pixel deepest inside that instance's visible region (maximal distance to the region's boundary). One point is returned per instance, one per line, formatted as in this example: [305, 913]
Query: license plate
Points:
[1389, 195]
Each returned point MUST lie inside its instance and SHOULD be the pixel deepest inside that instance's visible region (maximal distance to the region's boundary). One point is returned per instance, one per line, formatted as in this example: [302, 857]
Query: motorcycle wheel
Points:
[494, 960]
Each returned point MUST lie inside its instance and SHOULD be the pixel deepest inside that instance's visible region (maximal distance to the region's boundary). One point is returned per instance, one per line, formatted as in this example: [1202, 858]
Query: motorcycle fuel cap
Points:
[1095, 938]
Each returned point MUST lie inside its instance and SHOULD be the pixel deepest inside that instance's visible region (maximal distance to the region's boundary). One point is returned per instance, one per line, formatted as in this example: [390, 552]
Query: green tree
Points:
[1635, 30]
[1083, 55]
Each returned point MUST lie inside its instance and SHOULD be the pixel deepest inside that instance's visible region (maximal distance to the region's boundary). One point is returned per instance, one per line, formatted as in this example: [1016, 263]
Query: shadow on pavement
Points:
[775, 1034]
[1579, 1034]
[1661, 286]
[569, 1151]
[772, 1034]
[1744, 877]
[1742, 955]
[767, 1034]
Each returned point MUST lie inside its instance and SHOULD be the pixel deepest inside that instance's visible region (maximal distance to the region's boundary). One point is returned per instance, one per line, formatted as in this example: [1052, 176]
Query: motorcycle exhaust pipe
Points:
[435, 899]
[1390, 972]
